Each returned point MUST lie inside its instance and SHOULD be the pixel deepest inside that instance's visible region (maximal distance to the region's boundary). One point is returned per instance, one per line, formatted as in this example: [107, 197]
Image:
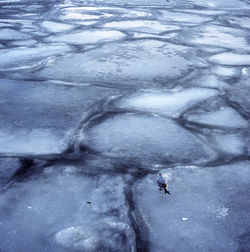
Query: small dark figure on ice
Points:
[163, 182]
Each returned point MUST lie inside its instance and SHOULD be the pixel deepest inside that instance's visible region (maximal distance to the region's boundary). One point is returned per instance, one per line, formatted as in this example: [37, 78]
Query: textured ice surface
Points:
[88, 37]
[11, 34]
[43, 219]
[232, 144]
[96, 98]
[221, 36]
[231, 59]
[145, 138]
[183, 17]
[210, 81]
[225, 71]
[224, 117]
[56, 26]
[39, 118]
[18, 57]
[142, 25]
[240, 95]
[241, 21]
[207, 209]
[168, 103]
[26, 43]
[129, 63]
[8, 166]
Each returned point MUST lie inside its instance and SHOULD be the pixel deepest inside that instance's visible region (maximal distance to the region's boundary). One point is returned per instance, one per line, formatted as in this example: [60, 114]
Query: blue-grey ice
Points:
[98, 97]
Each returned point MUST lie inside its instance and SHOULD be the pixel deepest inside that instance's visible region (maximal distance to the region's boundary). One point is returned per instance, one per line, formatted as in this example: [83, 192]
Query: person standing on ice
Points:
[163, 182]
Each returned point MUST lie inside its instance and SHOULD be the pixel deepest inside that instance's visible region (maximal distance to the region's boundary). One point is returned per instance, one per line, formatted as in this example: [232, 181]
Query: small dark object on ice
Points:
[88, 202]
[163, 182]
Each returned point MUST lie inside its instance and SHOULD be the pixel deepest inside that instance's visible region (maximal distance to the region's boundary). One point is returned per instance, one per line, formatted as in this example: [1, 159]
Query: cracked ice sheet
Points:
[49, 212]
[145, 138]
[130, 63]
[208, 209]
[170, 103]
[39, 118]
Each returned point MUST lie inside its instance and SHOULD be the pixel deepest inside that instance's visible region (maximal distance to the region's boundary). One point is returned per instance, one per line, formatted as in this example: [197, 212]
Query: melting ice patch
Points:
[169, 103]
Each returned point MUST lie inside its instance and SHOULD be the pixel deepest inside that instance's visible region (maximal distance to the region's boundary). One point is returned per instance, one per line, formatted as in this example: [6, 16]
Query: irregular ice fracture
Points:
[98, 96]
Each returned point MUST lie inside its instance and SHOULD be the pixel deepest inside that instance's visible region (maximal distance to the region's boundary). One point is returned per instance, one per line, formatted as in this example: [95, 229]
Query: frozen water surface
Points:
[62, 200]
[38, 118]
[149, 138]
[171, 103]
[221, 36]
[231, 59]
[11, 34]
[55, 26]
[88, 37]
[99, 96]
[130, 63]
[207, 211]
[142, 25]
[224, 117]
